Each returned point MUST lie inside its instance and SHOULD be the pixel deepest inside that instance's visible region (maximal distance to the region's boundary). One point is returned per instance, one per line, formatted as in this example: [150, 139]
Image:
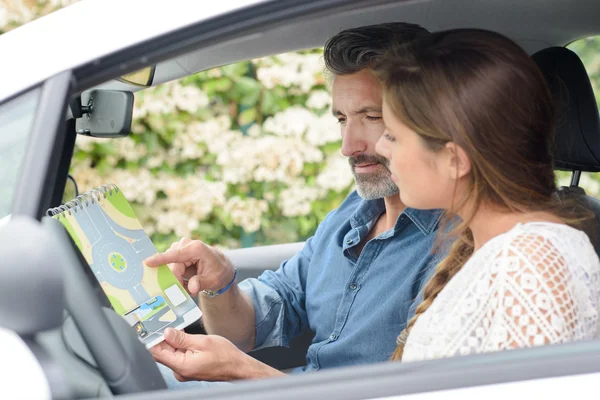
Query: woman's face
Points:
[423, 176]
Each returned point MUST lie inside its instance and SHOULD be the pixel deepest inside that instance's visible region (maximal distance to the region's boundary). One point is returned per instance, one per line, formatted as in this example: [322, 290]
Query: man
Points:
[354, 281]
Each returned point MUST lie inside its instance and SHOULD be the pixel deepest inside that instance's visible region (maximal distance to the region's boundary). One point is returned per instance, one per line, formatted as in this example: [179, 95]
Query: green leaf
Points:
[235, 70]
[247, 117]
[103, 167]
[268, 105]
[223, 84]
[151, 142]
[248, 89]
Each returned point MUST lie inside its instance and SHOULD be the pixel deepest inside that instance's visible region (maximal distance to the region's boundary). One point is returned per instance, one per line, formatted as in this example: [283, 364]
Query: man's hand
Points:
[207, 358]
[196, 265]
[201, 267]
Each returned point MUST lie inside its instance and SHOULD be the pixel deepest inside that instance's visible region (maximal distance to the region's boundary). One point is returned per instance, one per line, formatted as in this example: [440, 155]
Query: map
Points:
[113, 242]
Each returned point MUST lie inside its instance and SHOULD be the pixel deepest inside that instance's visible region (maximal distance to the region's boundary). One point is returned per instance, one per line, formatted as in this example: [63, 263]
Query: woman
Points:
[469, 128]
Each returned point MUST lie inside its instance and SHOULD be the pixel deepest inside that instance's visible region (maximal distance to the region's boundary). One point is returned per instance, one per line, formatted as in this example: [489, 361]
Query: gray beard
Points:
[374, 185]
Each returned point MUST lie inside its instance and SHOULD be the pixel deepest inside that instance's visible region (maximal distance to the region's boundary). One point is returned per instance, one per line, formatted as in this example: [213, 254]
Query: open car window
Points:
[242, 155]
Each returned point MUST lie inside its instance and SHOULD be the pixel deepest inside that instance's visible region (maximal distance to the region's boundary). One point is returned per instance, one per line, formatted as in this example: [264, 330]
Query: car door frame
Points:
[529, 369]
[38, 175]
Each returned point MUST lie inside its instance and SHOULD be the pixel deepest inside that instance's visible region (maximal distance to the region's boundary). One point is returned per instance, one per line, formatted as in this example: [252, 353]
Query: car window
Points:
[238, 156]
[16, 120]
[588, 50]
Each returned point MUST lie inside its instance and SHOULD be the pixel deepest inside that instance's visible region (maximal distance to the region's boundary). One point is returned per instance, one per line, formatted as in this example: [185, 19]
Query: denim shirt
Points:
[355, 305]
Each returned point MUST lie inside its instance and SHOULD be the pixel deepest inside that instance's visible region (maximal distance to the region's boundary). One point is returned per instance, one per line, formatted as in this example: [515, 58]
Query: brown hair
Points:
[481, 91]
[352, 50]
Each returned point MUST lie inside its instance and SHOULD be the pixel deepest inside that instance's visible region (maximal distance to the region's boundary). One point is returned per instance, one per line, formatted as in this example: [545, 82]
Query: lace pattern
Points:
[536, 284]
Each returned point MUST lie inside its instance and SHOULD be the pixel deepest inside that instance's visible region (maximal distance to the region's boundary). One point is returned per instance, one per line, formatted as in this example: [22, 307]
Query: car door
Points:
[537, 367]
[31, 142]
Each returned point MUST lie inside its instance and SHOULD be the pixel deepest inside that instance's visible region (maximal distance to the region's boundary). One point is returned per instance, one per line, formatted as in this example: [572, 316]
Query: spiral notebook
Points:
[113, 242]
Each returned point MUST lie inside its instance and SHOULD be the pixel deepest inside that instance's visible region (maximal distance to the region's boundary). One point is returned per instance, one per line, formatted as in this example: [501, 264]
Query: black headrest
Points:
[578, 130]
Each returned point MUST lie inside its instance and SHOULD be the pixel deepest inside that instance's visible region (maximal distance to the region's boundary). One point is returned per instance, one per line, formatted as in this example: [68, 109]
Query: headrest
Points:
[578, 130]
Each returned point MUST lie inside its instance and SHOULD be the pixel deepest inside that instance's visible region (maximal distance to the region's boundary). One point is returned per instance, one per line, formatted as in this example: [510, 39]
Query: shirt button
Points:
[353, 286]
[349, 241]
[333, 337]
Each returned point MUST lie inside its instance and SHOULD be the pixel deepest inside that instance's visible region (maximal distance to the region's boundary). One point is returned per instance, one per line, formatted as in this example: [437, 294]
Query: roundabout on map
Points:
[117, 261]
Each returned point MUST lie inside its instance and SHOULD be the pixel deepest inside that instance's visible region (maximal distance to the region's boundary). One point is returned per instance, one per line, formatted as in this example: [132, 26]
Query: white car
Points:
[61, 339]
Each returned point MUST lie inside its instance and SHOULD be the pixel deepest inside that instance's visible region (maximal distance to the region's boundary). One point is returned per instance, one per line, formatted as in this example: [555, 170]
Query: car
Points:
[56, 322]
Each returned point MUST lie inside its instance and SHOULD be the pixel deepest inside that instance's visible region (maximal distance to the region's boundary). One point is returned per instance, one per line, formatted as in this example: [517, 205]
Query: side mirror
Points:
[103, 113]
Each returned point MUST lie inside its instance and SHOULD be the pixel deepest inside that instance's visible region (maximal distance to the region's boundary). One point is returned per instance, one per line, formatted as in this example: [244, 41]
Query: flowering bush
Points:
[246, 149]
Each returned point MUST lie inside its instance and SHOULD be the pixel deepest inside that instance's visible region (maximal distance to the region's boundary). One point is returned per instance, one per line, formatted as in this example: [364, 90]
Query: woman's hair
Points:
[483, 92]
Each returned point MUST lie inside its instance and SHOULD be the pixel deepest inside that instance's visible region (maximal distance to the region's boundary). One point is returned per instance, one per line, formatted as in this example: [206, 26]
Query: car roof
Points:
[91, 29]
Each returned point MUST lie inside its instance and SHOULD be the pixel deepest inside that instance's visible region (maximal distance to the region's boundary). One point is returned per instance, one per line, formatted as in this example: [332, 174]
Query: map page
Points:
[114, 244]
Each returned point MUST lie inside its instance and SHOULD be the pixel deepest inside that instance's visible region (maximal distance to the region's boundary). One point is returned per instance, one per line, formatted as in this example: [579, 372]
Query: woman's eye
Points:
[389, 137]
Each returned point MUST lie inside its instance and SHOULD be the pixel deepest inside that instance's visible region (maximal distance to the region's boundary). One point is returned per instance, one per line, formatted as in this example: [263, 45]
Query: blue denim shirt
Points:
[355, 305]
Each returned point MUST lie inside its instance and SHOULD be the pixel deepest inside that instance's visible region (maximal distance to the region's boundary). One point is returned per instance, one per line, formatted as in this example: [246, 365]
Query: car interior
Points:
[88, 351]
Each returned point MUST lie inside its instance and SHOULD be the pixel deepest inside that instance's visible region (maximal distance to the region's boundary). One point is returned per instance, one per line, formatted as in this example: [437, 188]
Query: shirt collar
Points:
[426, 220]
[369, 210]
[366, 212]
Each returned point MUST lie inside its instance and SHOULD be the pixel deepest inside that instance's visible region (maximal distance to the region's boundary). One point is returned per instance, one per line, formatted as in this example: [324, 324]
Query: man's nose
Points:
[352, 141]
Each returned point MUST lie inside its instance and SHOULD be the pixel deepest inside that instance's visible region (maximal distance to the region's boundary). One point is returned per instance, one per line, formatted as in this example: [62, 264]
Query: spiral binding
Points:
[83, 200]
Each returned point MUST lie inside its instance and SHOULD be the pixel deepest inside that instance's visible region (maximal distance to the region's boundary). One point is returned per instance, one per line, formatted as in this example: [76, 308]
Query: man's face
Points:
[357, 105]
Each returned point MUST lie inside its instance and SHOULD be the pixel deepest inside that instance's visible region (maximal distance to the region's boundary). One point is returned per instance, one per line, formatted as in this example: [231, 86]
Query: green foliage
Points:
[174, 143]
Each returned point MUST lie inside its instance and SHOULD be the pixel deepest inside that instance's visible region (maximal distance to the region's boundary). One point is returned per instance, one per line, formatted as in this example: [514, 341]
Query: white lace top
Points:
[536, 284]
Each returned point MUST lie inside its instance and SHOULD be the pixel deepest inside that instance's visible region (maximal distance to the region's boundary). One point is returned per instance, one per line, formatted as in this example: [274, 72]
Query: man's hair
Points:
[353, 50]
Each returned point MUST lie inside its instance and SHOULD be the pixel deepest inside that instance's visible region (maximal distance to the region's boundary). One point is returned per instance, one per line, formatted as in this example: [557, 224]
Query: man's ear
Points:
[458, 160]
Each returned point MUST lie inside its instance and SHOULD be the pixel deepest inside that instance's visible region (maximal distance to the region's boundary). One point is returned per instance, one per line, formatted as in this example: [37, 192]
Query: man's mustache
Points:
[368, 159]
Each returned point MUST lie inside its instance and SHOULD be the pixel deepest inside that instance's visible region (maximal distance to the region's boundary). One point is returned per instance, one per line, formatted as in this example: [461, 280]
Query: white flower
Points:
[296, 200]
[294, 121]
[323, 130]
[138, 186]
[3, 16]
[128, 149]
[254, 130]
[167, 98]
[302, 71]
[266, 159]
[187, 145]
[62, 3]
[214, 73]
[246, 213]
[297, 121]
[336, 175]
[189, 98]
[319, 99]
[176, 222]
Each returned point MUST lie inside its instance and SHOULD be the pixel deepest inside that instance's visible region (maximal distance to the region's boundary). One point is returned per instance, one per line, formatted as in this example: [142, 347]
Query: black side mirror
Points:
[103, 113]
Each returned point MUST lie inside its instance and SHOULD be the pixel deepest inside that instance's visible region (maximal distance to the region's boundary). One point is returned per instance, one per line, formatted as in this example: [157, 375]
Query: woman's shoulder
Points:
[549, 236]
[544, 246]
